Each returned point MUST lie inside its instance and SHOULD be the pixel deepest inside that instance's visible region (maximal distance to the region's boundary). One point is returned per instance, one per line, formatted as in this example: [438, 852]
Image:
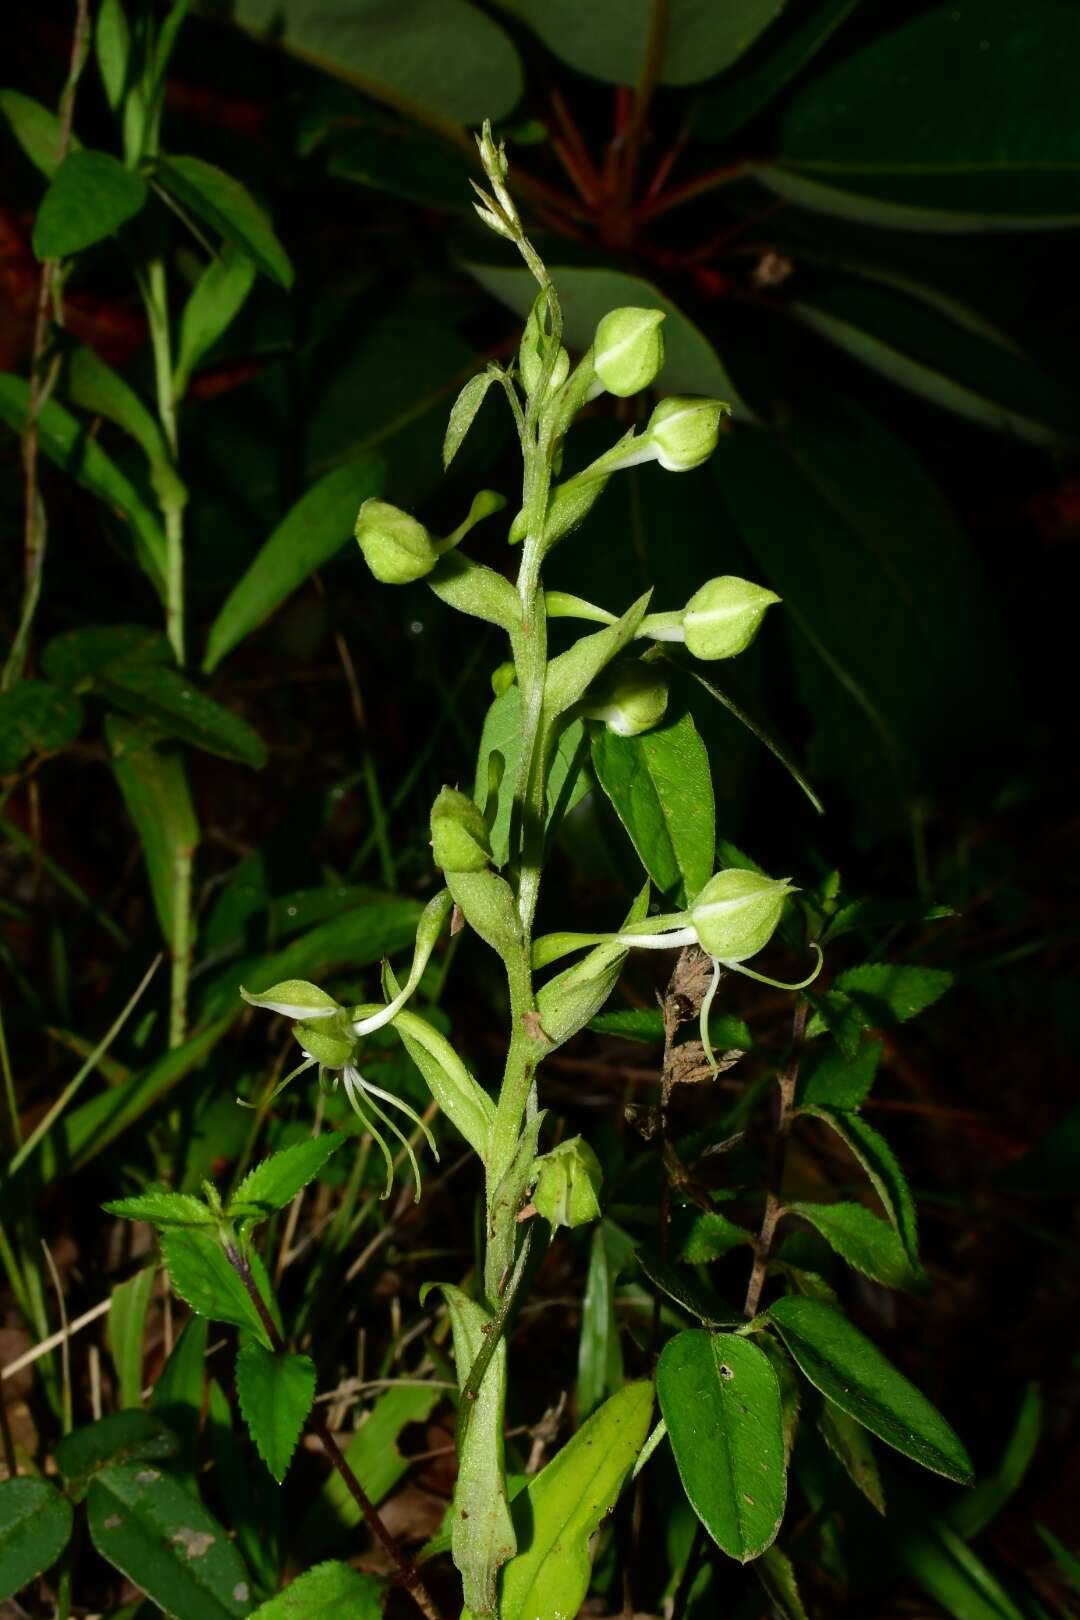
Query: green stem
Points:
[180, 945]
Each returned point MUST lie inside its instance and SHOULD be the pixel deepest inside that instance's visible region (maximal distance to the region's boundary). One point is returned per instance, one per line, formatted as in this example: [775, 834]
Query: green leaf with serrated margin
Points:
[89, 197]
[275, 1391]
[35, 1525]
[776, 1574]
[276, 1180]
[119, 1437]
[881, 1165]
[152, 1529]
[162, 1207]
[326, 1592]
[711, 1236]
[862, 1239]
[835, 1080]
[852, 1372]
[721, 1402]
[228, 208]
[201, 1275]
[892, 992]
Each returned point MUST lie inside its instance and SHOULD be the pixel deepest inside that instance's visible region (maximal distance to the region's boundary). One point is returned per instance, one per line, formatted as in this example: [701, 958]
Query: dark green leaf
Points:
[160, 1536]
[228, 208]
[888, 993]
[162, 1207]
[568, 1001]
[35, 718]
[740, 96]
[78, 657]
[863, 1240]
[36, 129]
[463, 413]
[883, 1169]
[177, 1396]
[127, 1320]
[843, 1364]
[839, 1081]
[502, 733]
[680, 1284]
[95, 387]
[213, 303]
[326, 1592]
[600, 1362]
[721, 1403]
[988, 147]
[647, 1025]
[89, 197]
[275, 1181]
[661, 788]
[307, 537]
[121, 1437]
[977, 1508]
[944, 1566]
[153, 692]
[35, 1524]
[275, 1391]
[1067, 1562]
[776, 1574]
[155, 789]
[251, 1499]
[112, 42]
[201, 1274]
[852, 1446]
[710, 1237]
[1052, 1167]
[608, 39]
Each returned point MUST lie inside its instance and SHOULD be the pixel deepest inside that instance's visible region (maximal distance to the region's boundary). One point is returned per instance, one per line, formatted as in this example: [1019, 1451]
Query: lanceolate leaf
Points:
[777, 1575]
[863, 1240]
[35, 1524]
[661, 787]
[228, 208]
[329, 1591]
[89, 197]
[177, 1396]
[97, 388]
[213, 302]
[275, 1391]
[160, 1536]
[846, 1367]
[275, 1181]
[163, 1207]
[154, 692]
[127, 1319]
[463, 412]
[567, 1002]
[36, 129]
[307, 537]
[721, 1403]
[154, 785]
[376, 1460]
[883, 1168]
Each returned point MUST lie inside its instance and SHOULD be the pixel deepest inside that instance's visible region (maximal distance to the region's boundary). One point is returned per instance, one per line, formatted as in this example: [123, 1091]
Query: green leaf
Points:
[889, 993]
[201, 1274]
[162, 1207]
[568, 1001]
[839, 1081]
[68, 442]
[1067, 1562]
[463, 413]
[35, 1525]
[451, 59]
[275, 1391]
[373, 1455]
[159, 1535]
[127, 1320]
[851, 1445]
[228, 208]
[462, 1099]
[647, 1025]
[95, 387]
[36, 128]
[710, 1237]
[112, 42]
[609, 38]
[972, 1512]
[683, 1286]
[562, 1507]
[251, 1500]
[35, 718]
[691, 364]
[570, 674]
[275, 1181]
[155, 790]
[307, 537]
[213, 304]
[945, 1567]
[566, 783]
[883, 1169]
[863, 1240]
[177, 1396]
[78, 657]
[721, 1403]
[180, 709]
[988, 148]
[121, 1437]
[661, 787]
[486, 901]
[735, 100]
[89, 197]
[326, 1592]
[851, 1372]
[600, 1362]
[776, 1574]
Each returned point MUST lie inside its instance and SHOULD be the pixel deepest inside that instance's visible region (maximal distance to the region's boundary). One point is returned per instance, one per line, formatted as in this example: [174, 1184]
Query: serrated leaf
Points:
[852, 1372]
[327, 1592]
[36, 128]
[120, 1437]
[89, 197]
[35, 1525]
[275, 1391]
[35, 717]
[883, 1169]
[228, 208]
[162, 1207]
[275, 1181]
[711, 1236]
[307, 537]
[661, 788]
[837, 1080]
[892, 992]
[776, 1574]
[862, 1239]
[851, 1445]
[127, 1320]
[152, 1529]
[463, 413]
[721, 1402]
[201, 1274]
[212, 305]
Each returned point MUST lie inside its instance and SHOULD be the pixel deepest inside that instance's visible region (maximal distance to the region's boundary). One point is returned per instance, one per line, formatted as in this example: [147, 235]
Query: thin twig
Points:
[36, 1351]
[787, 1080]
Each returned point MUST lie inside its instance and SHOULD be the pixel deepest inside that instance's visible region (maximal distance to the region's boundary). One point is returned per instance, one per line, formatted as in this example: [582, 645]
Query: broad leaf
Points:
[838, 1081]
[228, 208]
[127, 1321]
[711, 1236]
[852, 1372]
[77, 658]
[152, 1529]
[89, 197]
[155, 789]
[275, 1391]
[35, 1524]
[326, 1592]
[609, 39]
[36, 128]
[863, 1239]
[721, 1403]
[162, 1207]
[275, 1181]
[309, 535]
[35, 717]
[789, 47]
[661, 787]
[201, 1274]
[682, 1285]
[120, 1437]
[213, 303]
[883, 1169]
[562, 1507]
[892, 992]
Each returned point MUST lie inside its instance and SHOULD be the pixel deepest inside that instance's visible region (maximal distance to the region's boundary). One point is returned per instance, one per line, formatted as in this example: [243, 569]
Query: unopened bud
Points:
[330, 1044]
[628, 350]
[737, 913]
[567, 1189]
[684, 432]
[724, 616]
[630, 697]
[396, 547]
[459, 834]
[536, 345]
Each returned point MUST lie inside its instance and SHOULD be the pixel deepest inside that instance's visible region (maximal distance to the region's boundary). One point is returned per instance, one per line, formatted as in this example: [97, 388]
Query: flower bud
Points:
[724, 616]
[684, 432]
[396, 547]
[331, 1045]
[459, 834]
[567, 1189]
[629, 697]
[737, 913]
[628, 350]
[536, 344]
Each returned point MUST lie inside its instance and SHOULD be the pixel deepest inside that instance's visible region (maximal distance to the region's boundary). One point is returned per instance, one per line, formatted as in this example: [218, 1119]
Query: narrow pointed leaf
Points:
[883, 1169]
[863, 1239]
[463, 413]
[154, 785]
[228, 208]
[36, 128]
[127, 1320]
[275, 1181]
[851, 1445]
